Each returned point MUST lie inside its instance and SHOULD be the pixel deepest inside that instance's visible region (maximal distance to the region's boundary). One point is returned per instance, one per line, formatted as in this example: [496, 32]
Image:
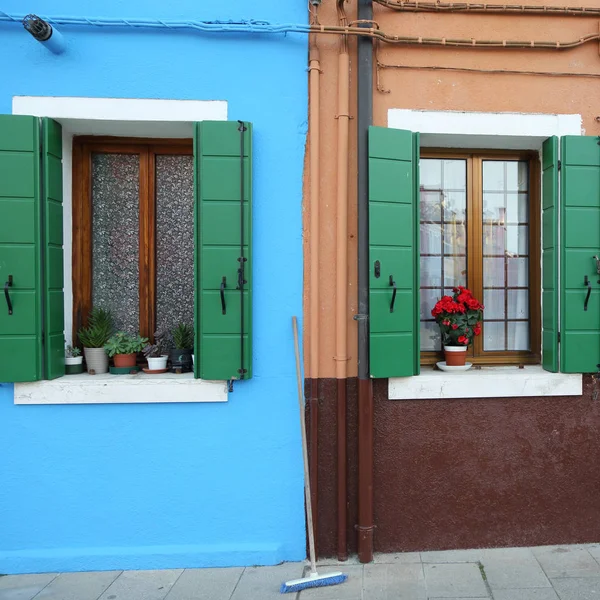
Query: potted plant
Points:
[181, 355]
[459, 317]
[93, 337]
[123, 348]
[155, 353]
[73, 360]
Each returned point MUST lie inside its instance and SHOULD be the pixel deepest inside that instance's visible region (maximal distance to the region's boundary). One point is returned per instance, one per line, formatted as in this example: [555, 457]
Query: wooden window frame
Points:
[474, 159]
[147, 149]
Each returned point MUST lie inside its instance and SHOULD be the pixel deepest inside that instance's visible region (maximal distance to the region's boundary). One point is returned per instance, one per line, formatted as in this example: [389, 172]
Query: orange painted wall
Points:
[415, 87]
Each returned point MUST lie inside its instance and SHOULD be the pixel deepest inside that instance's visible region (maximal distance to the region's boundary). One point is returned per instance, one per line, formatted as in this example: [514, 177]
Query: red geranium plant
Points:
[459, 317]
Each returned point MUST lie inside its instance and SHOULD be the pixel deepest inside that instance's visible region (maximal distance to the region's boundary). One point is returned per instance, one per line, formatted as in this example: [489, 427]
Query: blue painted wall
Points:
[169, 485]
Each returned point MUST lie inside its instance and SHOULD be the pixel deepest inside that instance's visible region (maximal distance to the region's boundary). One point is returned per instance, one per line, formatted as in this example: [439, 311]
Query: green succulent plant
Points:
[123, 343]
[98, 330]
[183, 337]
[72, 351]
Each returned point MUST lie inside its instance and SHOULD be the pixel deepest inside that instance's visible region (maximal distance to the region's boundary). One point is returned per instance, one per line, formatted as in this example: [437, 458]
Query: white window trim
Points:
[132, 117]
[514, 131]
[487, 382]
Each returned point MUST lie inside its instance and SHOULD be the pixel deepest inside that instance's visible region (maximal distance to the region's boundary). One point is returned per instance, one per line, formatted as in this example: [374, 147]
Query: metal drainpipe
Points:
[365, 386]
[341, 317]
[315, 182]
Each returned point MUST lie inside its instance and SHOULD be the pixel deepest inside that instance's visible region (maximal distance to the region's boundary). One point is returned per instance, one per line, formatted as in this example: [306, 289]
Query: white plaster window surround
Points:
[508, 131]
[121, 389]
[486, 382]
[130, 117]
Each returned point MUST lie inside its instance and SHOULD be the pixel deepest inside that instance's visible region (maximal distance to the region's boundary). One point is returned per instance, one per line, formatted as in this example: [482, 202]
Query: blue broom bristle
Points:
[333, 580]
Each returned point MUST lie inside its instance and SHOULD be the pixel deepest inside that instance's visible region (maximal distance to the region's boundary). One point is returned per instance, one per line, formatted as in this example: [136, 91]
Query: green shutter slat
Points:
[217, 158]
[394, 244]
[550, 254]
[579, 241]
[20, 249]
[53, 250]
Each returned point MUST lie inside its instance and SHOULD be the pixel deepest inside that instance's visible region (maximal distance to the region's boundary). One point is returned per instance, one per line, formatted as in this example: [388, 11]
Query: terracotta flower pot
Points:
[124, 360]
[456, 356]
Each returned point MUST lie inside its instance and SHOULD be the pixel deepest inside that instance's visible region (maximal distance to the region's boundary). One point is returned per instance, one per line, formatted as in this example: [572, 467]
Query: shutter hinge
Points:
[559, 337]
[559, 165]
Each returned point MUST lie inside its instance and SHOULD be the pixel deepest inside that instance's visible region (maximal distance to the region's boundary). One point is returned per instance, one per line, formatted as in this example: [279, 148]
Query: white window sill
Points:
[487, 382]
[121, 389]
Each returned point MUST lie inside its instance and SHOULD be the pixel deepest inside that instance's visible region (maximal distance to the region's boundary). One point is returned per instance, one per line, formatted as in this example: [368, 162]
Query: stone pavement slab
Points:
[394, 581]
[351, 589]
[397, 557]
[24, 587]
[452, 556]
[572, 588]
[142, 585]
[563, 561]
[508, 568]
[78, 586]
[526, 594]
[454, 580]
[206, 584]
[263, 583]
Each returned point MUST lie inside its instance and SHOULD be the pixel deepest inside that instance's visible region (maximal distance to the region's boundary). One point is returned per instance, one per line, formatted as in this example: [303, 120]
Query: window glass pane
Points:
[518, 304]
[431, 174]
[431, 272]
[518, 335]
[174, 241]
[518, 272]
[495, 304]
[455, 239]
[431, 338]
[517, 175]
[455, 175]
[431, 238]
[115, 237]
[455, 271]
[443, 238]
[493, 272]
[493, 240]
[493, 336]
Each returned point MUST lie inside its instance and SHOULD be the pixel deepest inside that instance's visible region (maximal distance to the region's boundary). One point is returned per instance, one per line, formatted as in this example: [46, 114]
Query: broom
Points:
[313, 579]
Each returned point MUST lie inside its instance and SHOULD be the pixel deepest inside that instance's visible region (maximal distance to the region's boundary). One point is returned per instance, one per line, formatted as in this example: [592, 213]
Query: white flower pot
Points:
[73, 360]
[157, 363]
[96, 360]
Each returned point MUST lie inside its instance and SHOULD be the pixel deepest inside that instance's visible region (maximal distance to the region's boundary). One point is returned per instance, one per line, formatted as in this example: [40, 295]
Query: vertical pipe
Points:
[365, 387]
[341, 338]
[314, 116]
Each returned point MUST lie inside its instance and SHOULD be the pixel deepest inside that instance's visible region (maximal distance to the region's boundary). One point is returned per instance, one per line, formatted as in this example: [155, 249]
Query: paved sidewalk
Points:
[543, 573]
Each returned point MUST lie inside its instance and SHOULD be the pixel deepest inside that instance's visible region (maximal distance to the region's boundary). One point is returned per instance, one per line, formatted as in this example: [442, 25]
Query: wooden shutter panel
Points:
[580, 242]
[219, 220]
[20, 249]
[393, 252]
[550, 254]
[52, 211]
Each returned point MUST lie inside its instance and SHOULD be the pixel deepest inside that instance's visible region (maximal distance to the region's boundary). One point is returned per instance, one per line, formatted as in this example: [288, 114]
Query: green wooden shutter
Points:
[52, 212]
[393, 252]
[550, 254]
[580, 242]
[218, 174]
[20, 249]
[32, 338]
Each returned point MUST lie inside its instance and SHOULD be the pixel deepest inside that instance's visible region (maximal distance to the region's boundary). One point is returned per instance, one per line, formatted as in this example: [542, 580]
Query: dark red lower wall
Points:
[469, 473]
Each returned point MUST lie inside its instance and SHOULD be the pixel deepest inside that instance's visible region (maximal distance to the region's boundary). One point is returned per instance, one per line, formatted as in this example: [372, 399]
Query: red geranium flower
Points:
[477, 329]
[455, 326]
[463, 339]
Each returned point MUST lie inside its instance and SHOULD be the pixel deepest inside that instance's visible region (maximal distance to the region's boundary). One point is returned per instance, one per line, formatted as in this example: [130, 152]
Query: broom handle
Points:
[307, 497]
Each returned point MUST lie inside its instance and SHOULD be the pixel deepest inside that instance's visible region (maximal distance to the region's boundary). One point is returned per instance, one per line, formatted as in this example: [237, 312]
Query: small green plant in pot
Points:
[123, 348]
[181, 355]
[155, 353]
[93, 337]
[73, 360]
